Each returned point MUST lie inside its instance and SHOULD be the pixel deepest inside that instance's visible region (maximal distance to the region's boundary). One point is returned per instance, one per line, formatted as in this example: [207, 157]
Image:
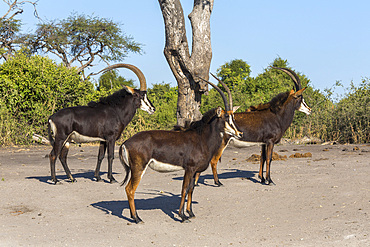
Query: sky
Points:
[326, 40]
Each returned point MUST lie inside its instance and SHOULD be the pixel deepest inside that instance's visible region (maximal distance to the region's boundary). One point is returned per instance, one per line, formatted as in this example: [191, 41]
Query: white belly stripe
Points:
[77, 137]
[163, 167]
[241, 144]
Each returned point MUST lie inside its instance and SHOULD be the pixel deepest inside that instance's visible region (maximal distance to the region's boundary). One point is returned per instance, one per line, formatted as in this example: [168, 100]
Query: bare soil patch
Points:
[323, 200]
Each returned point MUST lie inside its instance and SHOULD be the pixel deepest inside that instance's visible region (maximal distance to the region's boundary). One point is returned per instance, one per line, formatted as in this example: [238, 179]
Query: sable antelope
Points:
[171, 150]
[101, 121]
[265, 124]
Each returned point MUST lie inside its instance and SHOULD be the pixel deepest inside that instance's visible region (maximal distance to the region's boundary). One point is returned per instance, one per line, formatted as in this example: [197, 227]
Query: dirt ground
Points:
[323, 200]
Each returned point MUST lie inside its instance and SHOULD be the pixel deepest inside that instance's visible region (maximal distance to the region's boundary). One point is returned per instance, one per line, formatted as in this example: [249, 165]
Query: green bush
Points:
[351, 117]
[34, 87]
[164, 98]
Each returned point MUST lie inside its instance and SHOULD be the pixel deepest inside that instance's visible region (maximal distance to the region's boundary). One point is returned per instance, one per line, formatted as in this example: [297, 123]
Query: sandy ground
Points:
[318, 201]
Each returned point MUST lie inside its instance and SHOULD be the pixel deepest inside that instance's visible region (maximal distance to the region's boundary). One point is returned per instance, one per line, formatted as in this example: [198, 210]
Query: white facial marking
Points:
[231, 129]
[146, 106]
[304, 108]
[163, 167]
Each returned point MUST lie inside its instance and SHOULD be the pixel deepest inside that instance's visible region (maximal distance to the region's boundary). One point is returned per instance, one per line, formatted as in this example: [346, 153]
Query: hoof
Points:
[113, 181]
[98, 179]
[56, 182]
[269, 182]
[137, 219]
[219, 184]
[191, 214]
[184, 218]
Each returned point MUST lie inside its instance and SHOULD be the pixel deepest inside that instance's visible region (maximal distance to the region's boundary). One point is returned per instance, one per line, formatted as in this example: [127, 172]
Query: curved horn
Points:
[292, 75]
[133, 68]
[220, 91]
[227, 90]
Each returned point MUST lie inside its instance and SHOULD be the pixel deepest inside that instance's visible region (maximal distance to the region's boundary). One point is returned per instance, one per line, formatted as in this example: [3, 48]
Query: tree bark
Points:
[185, 66]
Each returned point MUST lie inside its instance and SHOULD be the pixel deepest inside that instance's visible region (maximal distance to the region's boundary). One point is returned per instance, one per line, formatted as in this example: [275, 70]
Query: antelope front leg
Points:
[262, 163]
[189, 208]
[184, 191]
[197, 175]
[110, 162]
[214, 171]
[268, 163]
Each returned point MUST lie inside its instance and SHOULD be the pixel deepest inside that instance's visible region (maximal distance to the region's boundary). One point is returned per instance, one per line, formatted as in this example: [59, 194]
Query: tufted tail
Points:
[123, 157]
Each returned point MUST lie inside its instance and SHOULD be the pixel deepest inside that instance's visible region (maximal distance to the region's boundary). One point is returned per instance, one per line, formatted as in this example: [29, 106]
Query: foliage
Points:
[247, 91]
[8, 38]
[34, 87]
[80, 39]
[351, 115]
[234, 73]
[10, 26]
[112, 81]
[164, 98]
[12, 131]
[345, 121]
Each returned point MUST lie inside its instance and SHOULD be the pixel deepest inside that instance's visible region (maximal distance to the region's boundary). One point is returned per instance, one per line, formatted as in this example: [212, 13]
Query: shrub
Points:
[351, 116]
[34, 87]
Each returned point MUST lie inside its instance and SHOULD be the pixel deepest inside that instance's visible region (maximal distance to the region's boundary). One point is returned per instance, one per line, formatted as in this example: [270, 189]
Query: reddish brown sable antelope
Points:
[265, 124]
[101, 121]
[164, 151]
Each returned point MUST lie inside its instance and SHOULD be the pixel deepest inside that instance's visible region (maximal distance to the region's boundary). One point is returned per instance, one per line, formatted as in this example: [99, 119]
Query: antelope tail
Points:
[51, 138]
[123, 157]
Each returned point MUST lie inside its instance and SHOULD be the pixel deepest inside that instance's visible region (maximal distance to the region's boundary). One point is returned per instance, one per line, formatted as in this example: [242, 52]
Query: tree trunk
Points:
[185, 66]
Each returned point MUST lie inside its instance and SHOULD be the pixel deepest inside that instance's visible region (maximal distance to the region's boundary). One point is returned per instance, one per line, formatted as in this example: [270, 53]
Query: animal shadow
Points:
[63, 178]
[165, 201]
[229, 173]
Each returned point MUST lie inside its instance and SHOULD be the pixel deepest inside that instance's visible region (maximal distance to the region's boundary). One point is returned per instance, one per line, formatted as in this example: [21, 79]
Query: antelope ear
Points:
[129, 89]
[235, 108]
[219, 111]
[299, 92]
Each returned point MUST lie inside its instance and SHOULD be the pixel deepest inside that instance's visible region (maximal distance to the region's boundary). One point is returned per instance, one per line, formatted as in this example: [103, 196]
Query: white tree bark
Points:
[185, 66]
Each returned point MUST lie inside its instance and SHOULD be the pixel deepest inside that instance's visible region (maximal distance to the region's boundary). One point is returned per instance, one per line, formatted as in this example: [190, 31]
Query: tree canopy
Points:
[10, 26]
[112, 81]
[80, 39]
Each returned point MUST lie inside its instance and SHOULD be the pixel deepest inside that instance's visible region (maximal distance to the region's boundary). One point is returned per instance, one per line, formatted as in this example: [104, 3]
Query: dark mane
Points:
[274, 105]
[113, 99]
[198, 125]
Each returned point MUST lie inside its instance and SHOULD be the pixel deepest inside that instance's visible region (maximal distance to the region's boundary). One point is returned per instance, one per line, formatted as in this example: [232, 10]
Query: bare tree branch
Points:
[17, 6]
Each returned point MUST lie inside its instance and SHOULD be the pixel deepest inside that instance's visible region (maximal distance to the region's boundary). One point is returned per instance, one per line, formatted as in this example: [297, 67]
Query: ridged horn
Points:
[220, 92]
[292, 75]
[131, 67]
[227, 90]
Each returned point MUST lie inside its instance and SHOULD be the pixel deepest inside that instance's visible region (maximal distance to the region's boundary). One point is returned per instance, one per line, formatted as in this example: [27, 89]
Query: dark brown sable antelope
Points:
[265, 124]
[189, 149]
[101, 121]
